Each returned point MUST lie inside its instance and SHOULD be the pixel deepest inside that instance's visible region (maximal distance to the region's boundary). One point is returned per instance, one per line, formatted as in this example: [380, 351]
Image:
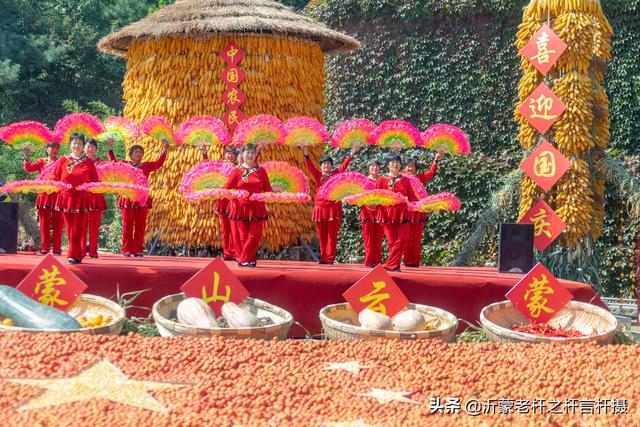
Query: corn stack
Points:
[583, 129]
[179, 78]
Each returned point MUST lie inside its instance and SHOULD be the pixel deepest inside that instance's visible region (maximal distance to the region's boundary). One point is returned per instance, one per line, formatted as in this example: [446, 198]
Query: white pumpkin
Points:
[408, 321]
[373, 320]
[196, 312]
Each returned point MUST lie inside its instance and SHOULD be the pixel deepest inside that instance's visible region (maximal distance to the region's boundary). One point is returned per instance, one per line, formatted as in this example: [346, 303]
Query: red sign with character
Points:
[546, 165]
[539, 295]
[51, 283]
[216, 285]
[378, 292]
[544, 49]
[232, 54]
[542, 108]
[547, 224]
[233, 76]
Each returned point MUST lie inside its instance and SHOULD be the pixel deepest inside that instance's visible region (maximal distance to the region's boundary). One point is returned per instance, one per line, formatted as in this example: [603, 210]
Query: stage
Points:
[302, 288]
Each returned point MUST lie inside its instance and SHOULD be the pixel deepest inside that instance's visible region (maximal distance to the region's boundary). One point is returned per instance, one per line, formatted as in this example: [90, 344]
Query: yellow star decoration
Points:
[352, 366]
[101, 380]
[386, 396]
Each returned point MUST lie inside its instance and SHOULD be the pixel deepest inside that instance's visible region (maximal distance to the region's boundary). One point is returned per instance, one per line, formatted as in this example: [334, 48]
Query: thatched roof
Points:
[227, 16]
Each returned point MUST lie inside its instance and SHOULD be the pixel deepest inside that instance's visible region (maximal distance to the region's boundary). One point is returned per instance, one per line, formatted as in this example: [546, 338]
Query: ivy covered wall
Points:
[452, 61]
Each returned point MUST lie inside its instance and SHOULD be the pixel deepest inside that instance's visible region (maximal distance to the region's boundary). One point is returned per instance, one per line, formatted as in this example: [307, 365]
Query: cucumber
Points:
[28, 313]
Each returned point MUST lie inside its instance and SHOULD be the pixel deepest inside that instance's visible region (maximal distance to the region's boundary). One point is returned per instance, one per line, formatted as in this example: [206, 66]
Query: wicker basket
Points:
[333, 319]
[497, 320]
[165, 309]
[86, 305]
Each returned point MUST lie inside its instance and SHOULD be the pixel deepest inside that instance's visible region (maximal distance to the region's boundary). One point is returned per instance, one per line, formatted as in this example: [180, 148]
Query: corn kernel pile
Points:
[179, 78]
[286, 383]
[583, 129]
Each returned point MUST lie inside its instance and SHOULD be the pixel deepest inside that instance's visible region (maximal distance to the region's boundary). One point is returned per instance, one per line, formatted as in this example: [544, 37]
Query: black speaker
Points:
[516, 248]
[8, 227]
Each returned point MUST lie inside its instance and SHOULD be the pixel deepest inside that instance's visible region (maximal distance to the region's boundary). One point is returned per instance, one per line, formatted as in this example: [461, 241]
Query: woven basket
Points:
[165, 309]
[86, 305]
[497, 320]
[333, 319]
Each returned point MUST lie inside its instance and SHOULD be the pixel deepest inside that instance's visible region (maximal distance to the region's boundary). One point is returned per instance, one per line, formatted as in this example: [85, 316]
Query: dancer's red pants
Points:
[412, 254]
[372, 236]
[397, 238]
[49, 219]
[328, 237]
[76, 224]
[228, 243]
[95, 219]
[247, 238]
[134, 221]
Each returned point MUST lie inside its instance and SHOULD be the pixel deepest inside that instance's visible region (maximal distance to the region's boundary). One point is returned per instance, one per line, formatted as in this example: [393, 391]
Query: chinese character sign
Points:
[51, 283]
[547, 225]
[544, 49]
[216, 285]
[539, 295]
[545, 166]
[378, 292]
[233, 76]
[542, 108]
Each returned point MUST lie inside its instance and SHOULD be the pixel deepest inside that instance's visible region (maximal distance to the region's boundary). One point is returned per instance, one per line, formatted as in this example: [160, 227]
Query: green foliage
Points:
[455, 62]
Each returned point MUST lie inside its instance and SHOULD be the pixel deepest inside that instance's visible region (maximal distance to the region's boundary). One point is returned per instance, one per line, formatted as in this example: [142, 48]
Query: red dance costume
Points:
[372, 235]
[413, 254]
[326, 214]
[247, 217]
[75, 204]
[134, 215]
[222, 209]
[49, 217]
[98, 205]
[395, 219]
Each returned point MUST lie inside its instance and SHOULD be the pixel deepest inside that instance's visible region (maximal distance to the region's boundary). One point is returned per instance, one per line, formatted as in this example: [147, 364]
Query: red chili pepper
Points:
[546, 330]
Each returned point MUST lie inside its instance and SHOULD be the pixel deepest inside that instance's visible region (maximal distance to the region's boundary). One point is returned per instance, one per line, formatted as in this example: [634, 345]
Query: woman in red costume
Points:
[247, 217]
[75, 169]
[98, 203]
[412, 254]
[372, 233]
[327, 214]
[45, 203]
[222, 207]
[395, 219]
[134, 215]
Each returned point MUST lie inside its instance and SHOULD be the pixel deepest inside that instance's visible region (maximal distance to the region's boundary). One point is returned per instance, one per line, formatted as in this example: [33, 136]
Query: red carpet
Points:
[302, 288]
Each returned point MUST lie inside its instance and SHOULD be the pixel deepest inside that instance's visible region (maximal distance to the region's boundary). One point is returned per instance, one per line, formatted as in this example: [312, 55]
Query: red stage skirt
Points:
[247, 210]
[325, 210]
[73, 201]
[46, 201]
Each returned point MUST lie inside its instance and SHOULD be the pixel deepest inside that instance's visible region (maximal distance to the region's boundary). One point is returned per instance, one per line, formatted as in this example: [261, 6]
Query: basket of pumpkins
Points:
[89, 314]
[416, 321]
[177, 315]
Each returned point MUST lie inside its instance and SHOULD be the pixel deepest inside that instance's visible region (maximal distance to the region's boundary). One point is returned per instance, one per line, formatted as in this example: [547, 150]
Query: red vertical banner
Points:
[233, 76]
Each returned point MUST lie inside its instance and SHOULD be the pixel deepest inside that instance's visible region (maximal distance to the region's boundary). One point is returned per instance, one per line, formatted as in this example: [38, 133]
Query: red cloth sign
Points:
[216, 285]
[232, 76]
[547, 225]
[539, 295]
[51, 283]
[233, 118]
[232, 54]
[233, 97]
[544, 49]
[542, 108]
[545, 166]
[378, 292]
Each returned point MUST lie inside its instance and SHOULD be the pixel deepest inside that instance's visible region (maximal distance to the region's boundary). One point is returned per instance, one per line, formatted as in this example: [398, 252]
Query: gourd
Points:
[238, 317]
[373, 320]
[408, 320]
[196, 312]
[28, 313]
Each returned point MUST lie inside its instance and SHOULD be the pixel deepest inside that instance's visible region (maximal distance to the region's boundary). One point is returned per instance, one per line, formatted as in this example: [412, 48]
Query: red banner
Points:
[544, 49]
[378, 292]
[233, 76]
[539, 295]
[545, 166]
[547, 225]
[542, 108]
[51, 283]
[216, 285]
